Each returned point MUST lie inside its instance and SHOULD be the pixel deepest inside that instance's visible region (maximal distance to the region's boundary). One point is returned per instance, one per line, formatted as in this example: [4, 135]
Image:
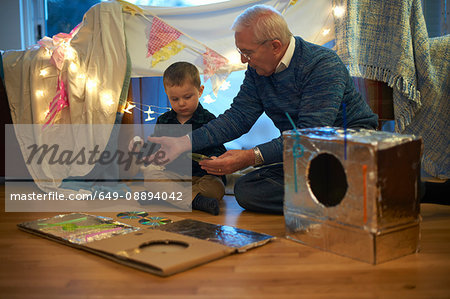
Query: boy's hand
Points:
[171, 148]
[231, 161]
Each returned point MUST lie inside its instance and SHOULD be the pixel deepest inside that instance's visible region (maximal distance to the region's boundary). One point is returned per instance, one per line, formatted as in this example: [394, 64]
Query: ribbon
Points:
[59, 102]
[297, 150]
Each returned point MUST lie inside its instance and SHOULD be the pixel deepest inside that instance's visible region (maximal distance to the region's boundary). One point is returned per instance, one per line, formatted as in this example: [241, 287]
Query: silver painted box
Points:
[354, 192]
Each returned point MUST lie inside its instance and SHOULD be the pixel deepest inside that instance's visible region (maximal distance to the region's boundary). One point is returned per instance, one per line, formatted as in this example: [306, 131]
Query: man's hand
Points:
[231, 161]
[171, 148]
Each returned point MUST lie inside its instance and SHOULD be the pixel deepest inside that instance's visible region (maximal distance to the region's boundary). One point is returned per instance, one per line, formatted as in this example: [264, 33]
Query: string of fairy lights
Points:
[338, 12]
[107, 98]
[138, 106]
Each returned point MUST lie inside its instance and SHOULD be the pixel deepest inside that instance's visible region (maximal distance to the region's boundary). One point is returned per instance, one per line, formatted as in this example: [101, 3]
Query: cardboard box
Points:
[164, 245]
[353, 192]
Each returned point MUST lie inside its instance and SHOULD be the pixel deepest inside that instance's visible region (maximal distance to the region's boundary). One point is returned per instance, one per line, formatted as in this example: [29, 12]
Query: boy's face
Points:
[184, 98]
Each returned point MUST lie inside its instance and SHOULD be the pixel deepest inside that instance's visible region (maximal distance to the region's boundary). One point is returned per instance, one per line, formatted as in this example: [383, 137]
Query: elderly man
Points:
[285, 74]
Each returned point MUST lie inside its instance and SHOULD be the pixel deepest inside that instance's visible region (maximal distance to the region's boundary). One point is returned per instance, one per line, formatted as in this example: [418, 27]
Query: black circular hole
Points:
[164, 246]
[327, 179]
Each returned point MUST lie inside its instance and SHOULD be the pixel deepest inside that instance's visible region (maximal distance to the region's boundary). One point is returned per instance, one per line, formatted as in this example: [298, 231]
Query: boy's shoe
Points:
[206, 204]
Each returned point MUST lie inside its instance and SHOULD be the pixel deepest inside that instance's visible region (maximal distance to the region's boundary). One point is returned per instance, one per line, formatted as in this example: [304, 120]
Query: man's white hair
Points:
[267, 24]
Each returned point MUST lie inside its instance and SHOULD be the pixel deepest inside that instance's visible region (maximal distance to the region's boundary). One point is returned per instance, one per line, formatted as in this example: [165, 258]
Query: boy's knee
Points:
[210, 186]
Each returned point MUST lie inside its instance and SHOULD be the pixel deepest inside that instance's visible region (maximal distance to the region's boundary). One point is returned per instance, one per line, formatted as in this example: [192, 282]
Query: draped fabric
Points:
[111, 30]
[96, 87]
[388, 41]
[206, 32]
[209, 27]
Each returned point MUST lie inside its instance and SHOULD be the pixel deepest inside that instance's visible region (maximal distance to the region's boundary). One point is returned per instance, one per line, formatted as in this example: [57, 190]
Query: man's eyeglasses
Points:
[248, 55]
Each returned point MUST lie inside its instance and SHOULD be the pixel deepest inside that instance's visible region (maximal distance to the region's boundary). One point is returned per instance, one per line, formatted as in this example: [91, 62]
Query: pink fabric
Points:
[212, 61]
[58, 56]
[161, 34]
[56, 44]
[59, 102]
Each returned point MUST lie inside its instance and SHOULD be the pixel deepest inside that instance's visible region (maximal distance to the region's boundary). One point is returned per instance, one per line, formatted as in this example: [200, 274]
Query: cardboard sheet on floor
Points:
[164, 248]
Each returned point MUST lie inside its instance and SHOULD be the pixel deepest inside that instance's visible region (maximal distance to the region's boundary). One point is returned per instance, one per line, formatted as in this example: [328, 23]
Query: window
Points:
[63, 16]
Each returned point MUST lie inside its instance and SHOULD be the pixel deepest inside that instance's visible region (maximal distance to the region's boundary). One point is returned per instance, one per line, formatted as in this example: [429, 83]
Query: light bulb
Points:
[106, 98]
[73, 67]
[128, 108]
[39, 93]
[91, 84]
[43, 73]
[338, 11]
[44, 115]
[70, 53]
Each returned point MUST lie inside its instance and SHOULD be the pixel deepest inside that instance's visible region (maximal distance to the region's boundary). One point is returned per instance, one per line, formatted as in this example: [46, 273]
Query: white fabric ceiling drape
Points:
[210, 25]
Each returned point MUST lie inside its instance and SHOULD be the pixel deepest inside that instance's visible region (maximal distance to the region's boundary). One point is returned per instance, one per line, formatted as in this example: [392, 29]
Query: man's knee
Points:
[259, 193]
[243, 192]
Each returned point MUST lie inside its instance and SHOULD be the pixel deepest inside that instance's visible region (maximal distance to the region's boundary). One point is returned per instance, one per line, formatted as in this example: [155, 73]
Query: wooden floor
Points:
[33, 267]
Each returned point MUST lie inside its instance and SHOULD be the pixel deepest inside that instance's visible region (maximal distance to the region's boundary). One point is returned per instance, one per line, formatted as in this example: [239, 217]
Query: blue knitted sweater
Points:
[312, 90]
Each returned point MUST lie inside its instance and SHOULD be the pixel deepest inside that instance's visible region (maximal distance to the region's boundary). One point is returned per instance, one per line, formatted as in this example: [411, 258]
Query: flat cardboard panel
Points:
[159, 260]
[147, 248]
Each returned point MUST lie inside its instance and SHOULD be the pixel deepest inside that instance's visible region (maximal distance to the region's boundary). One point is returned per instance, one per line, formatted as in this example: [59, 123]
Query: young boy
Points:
[183, 88]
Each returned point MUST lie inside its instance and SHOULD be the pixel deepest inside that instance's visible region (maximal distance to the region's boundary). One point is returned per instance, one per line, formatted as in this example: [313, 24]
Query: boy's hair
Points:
[177, 73]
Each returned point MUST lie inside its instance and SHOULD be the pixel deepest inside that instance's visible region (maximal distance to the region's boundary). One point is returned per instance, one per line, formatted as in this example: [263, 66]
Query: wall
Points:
[10, 25]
